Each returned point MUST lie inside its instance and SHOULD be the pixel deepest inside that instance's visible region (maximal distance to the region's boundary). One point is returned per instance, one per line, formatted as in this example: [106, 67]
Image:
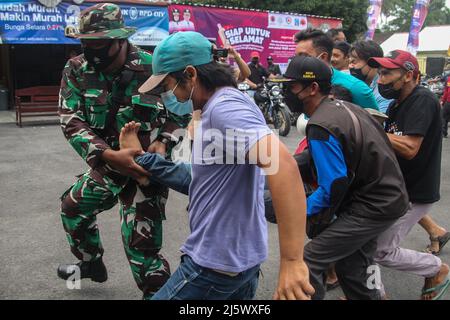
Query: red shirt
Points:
[446, 96]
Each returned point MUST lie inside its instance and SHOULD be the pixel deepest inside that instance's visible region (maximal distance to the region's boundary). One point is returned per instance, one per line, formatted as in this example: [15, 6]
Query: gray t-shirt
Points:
[226, 212]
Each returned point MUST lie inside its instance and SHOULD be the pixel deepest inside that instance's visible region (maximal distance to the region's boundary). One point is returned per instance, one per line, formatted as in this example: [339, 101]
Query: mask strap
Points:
[174, 88]
[192, 92]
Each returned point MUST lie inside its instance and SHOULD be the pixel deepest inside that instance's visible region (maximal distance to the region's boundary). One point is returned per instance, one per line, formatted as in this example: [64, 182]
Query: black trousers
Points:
[445, 118]
[350, 243]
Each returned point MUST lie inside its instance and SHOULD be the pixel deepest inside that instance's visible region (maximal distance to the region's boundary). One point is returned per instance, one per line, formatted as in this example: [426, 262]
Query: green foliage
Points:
[400, 11]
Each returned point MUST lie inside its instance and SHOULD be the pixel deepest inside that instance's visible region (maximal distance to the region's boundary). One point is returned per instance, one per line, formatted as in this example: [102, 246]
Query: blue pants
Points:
[193, 282]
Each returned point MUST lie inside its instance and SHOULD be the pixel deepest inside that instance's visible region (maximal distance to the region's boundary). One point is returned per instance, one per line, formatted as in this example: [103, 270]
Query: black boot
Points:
[95, 270]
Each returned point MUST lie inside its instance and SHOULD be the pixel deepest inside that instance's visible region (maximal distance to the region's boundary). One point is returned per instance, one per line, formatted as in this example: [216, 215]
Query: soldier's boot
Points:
[95, 270]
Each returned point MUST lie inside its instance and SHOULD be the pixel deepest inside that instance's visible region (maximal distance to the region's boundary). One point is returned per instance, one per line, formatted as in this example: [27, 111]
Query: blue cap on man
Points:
[175, 53]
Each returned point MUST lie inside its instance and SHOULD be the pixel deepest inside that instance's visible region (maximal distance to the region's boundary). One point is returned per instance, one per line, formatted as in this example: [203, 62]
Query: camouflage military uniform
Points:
[87, 100]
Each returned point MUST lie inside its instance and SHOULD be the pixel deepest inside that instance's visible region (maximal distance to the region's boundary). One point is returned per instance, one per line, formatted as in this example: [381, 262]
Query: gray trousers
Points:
[391, 255]
[350, 242]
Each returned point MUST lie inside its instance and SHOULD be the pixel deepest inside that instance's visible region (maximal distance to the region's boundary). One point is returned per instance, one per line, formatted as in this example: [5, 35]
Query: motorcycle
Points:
[244, 87]
[270, 100]
[435, 85]
[294, 117]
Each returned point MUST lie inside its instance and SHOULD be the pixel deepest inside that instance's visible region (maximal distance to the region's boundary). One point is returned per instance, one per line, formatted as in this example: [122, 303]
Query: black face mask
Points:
[357, 73]
[387, 91]
[99, 58]
[293, 102]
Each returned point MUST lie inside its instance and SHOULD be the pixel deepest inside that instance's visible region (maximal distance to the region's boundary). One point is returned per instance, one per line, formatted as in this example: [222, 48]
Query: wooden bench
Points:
[37, 101]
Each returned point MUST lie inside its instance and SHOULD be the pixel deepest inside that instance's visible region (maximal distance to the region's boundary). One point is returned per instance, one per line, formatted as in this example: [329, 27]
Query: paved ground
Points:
[37, 165]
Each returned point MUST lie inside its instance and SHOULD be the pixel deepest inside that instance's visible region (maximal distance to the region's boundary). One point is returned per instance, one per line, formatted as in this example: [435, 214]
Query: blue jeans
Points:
[175, 175]
[193, 282]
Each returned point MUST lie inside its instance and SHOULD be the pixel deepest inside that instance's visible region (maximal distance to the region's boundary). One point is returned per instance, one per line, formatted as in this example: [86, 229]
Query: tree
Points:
[354, 12]
[398, 13]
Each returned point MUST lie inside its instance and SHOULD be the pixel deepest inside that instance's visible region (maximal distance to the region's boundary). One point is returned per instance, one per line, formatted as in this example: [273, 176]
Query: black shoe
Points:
[96, 270]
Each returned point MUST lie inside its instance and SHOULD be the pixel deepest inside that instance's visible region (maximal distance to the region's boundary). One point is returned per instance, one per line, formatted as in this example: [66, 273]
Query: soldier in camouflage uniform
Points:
[99, 95]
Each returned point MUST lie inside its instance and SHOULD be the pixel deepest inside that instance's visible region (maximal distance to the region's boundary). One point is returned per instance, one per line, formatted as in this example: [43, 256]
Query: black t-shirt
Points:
[419, 114]
[274, 69]
[257, 73]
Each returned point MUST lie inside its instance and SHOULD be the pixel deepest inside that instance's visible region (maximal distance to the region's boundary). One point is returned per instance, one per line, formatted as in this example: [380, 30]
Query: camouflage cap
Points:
[102, 21]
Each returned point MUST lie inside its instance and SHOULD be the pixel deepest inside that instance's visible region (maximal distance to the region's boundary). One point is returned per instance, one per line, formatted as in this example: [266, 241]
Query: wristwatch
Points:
[166, 138]
[163, 140]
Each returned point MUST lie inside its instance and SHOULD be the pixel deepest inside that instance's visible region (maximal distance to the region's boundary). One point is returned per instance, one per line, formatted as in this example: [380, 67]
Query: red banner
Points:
[270, 34]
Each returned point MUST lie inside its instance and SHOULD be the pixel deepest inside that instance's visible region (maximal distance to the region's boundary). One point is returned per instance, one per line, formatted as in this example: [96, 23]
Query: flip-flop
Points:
[442, 242]
[332, 286]
[442, 288]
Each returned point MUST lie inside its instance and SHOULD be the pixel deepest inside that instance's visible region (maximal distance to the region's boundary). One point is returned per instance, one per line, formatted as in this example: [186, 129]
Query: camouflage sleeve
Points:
[73, 120]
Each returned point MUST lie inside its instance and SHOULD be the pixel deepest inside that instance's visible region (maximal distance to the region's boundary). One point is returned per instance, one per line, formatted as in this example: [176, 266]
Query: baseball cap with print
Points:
[309, 69]
[175, 53]
[397, 59]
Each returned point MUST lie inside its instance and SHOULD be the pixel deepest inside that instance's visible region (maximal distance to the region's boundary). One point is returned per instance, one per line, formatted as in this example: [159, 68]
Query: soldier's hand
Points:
[158, 147]
[123, 161]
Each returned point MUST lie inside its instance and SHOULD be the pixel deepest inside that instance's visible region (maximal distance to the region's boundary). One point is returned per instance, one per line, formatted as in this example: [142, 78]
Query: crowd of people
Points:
[366, 174]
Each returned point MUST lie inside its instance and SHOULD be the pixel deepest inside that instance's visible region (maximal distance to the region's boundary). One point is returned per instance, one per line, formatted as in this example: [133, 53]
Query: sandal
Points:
[441, 289]
[442, 242]
[332, 286]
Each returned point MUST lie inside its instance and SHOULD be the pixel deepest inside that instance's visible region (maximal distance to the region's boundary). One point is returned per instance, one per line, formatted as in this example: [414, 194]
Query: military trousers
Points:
[142, 210]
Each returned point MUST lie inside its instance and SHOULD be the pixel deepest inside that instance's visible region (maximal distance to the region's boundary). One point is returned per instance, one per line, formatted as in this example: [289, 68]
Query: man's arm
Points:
[416, 123]
[176, 176]
[289, 201]
[244, 70]
[267, 74]
[406, 147]
[83, 139]
[363, 95]
[331, 169]
[73, 122]
[252, 85]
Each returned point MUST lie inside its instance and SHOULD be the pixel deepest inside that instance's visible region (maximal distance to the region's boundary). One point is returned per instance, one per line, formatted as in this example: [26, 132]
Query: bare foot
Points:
[331, 275]
[128, 136]
[438, 279]
[128, 139]
[433, 247]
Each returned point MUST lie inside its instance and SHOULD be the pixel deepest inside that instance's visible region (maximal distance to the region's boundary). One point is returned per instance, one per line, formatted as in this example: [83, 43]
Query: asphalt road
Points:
[37, 165]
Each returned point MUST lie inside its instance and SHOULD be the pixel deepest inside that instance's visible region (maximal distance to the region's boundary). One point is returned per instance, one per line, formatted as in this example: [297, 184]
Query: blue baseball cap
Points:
[175, 53]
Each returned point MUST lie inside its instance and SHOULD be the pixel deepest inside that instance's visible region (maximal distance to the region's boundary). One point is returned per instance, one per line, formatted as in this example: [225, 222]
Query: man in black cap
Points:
[273, 68]
[360, 191]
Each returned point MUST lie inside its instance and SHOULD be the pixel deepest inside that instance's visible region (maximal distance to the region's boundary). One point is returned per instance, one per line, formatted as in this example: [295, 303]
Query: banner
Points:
[270, 34]
[418, 18]
[30, 22]
[373, 14]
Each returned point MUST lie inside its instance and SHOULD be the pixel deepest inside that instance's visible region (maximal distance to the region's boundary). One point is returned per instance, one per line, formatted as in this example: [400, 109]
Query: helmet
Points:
[301, 124]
